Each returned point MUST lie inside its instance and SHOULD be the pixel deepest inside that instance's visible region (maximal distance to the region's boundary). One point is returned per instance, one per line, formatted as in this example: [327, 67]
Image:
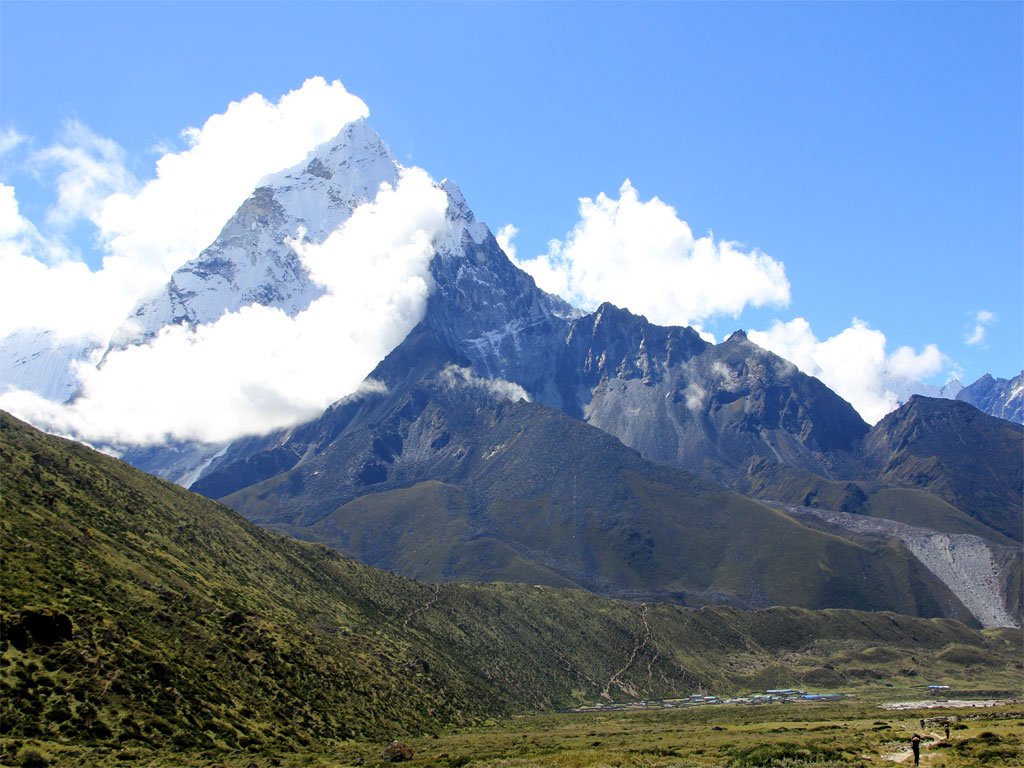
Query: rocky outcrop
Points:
[396, 752]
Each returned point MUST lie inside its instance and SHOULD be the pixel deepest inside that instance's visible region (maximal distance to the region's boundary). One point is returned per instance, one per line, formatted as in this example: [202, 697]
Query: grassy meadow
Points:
[857, 731]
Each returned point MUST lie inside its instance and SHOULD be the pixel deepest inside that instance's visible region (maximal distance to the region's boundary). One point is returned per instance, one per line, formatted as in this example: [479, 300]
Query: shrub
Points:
[30, 757]
[785, 753]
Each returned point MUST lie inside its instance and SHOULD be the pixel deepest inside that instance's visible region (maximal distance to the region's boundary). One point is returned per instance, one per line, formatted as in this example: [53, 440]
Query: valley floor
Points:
[863, 730]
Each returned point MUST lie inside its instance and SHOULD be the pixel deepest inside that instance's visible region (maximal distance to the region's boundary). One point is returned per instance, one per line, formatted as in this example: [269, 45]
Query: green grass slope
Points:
[137, 616]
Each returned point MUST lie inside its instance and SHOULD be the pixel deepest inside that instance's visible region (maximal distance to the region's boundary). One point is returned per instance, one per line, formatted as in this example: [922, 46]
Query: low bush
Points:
[784, 754]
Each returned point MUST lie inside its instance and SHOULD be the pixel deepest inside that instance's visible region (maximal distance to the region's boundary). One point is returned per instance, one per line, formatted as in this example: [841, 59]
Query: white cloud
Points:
[982, 319]
[9, 139]
[92, 169]
[854, 363]
[12, 223]
[257, 369]
[181, 211]
[504, 236]
[695, 395]
[42, 287]
[147, 232]
[642, 256]
[708, 336]
[456, 376]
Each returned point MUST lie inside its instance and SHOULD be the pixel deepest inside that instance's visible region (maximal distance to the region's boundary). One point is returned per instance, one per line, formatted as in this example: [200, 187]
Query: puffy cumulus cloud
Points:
[147, 230]
[457, 376]
[854, 363]
[642, 256]
[982, 319]
[258, 369]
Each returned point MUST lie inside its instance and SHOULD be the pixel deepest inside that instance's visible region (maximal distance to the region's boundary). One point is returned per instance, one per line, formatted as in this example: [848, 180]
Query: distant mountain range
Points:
[999, 397]
[511, 436]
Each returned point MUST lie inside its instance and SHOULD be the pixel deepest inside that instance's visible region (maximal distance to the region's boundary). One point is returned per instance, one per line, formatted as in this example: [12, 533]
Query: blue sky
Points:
[874, 149]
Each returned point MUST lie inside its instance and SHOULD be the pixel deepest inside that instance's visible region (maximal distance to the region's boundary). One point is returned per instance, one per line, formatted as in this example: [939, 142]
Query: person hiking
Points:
[915, 744]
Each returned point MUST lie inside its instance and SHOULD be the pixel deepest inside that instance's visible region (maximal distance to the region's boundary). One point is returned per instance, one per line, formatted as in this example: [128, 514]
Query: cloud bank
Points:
[257, 369]
[642, 256]
[854, 363]
[146, 231]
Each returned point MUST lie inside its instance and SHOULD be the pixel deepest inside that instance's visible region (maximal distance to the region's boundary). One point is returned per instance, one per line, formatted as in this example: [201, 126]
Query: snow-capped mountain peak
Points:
[341, 173]
[252, 261]
[461, 222]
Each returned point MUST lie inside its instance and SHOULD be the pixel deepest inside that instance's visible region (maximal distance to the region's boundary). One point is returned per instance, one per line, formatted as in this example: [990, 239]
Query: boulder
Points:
[396, 752]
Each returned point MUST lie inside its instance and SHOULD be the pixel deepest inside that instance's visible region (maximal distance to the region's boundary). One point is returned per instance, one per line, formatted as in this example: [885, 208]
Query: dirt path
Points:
[905, 755]
[657, 651]
[902, 756]
[616, 679]
[436, 589]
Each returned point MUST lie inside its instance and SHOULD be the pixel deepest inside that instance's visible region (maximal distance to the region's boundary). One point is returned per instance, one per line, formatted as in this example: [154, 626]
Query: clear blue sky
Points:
[874, 148]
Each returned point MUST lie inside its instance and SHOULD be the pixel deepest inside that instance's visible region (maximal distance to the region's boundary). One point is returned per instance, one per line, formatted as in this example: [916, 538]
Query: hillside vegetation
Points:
[138, 615]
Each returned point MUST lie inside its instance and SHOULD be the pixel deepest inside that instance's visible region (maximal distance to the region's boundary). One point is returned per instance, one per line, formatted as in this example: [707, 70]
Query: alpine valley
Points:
[513, 437]
[525, 507]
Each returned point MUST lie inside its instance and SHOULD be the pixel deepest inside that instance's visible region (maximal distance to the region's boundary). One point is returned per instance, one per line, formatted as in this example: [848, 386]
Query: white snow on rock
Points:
[39, 362]
[253, 261]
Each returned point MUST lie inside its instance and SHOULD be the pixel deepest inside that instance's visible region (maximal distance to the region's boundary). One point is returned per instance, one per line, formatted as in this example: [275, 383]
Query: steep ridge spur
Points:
[972, 460]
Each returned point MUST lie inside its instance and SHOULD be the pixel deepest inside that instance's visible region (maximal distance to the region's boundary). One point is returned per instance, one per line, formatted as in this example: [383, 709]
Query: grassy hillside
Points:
[136, 615]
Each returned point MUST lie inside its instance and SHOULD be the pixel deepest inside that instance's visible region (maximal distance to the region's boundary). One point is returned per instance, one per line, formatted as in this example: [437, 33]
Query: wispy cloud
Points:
[982, 319]
[854, 363]
[642, 256]
[457, 376]
[9, 139]
[92, 168]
